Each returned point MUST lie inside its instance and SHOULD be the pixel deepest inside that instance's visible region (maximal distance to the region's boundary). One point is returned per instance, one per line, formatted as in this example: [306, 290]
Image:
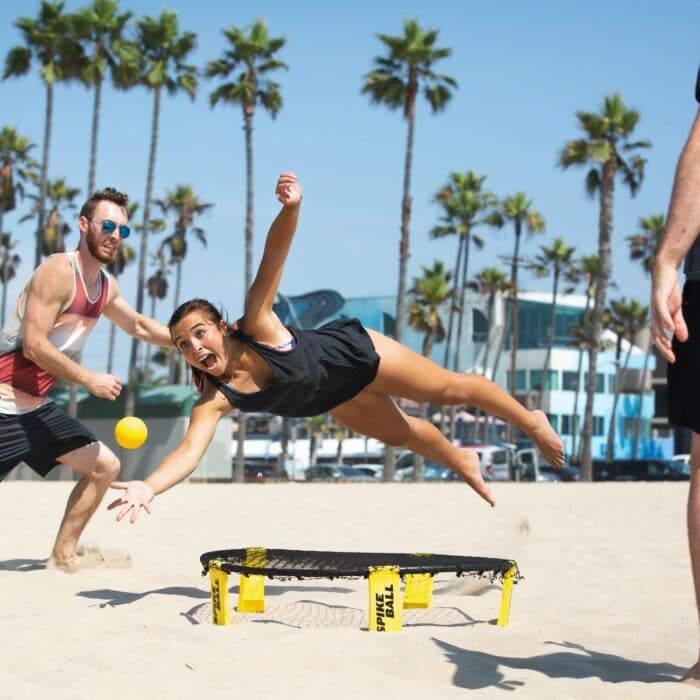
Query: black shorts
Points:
[39, 438]
[684, 373]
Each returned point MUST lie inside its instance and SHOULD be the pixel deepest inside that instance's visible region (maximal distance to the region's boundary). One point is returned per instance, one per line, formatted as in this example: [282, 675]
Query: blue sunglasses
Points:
[109, 227]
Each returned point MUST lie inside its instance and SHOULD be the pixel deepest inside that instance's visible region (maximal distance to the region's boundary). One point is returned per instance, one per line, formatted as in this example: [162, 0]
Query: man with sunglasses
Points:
[41, 340]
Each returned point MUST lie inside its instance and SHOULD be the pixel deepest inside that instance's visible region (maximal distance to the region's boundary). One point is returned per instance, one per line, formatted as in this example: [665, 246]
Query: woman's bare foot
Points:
[546, 440]
[67, 564]
[692, 675]
[89, 558]
[470, 471]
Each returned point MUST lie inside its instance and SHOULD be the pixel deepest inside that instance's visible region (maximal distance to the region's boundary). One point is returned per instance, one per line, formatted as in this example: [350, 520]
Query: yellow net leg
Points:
[508, 579]
[218, 580]
[384, 599]
[251, 593]
[419, 591]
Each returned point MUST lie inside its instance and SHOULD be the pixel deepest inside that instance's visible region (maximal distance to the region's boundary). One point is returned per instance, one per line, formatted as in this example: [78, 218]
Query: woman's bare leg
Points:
[403, 372]
[377, 416]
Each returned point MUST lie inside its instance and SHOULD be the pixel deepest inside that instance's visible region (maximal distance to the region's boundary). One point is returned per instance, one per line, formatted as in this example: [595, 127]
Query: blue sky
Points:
[523, 69]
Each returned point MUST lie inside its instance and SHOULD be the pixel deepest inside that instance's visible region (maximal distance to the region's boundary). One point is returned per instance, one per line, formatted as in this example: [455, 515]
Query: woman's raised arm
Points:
[259, 320]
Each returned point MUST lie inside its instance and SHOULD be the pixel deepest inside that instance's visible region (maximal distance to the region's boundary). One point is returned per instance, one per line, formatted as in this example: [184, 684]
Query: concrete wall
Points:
[164, 435]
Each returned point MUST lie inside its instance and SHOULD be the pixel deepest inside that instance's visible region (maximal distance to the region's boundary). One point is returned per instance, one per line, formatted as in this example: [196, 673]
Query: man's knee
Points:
[105, 469]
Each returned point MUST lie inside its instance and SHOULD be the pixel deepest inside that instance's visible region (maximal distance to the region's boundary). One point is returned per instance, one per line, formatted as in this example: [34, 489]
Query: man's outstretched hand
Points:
[137, 495]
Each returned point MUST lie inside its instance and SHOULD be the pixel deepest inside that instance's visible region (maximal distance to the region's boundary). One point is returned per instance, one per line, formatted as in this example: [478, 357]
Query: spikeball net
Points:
[385, 571]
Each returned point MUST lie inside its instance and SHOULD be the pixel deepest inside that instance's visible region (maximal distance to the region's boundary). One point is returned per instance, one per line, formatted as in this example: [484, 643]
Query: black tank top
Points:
[328, 366]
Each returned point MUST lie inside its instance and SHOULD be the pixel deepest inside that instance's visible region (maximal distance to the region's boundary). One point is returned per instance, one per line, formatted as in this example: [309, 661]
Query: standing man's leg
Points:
[693, 674]
[99, 467]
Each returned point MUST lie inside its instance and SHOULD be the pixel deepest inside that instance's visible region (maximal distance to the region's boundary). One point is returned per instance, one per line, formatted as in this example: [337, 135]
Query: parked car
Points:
[640, 470]
[336, 472]
[432, 471]
[264, 471]
[564, 473]
[497, 461]
[376, 471]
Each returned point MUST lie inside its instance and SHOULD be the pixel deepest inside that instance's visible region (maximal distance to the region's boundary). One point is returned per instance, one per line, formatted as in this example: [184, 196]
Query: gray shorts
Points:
[39, 438]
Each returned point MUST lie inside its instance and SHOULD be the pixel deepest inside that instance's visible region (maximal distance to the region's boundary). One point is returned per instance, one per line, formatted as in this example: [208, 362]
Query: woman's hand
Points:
[137, 495]
[288, 190]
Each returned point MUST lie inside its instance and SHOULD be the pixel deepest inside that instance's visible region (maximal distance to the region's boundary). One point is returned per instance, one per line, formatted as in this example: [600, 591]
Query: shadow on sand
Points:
[476, 669]
[113, 598]
[22, 565]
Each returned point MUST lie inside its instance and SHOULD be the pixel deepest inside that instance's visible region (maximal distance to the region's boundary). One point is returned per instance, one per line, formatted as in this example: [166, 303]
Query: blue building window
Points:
[598, 426]
[599, 383]
[480, 327]
[520, 380]
[554, 420]
[536, 378]
[569, 380]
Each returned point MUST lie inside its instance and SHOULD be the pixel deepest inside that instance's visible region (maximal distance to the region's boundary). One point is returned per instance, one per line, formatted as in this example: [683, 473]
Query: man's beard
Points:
[96, 250]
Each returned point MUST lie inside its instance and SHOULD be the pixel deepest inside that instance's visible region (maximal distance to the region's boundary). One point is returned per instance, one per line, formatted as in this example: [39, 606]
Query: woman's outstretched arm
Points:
[174, 468]
[259, 321]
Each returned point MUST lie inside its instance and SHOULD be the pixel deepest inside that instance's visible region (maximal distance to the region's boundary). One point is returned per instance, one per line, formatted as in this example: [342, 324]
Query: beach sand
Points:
[605, 608]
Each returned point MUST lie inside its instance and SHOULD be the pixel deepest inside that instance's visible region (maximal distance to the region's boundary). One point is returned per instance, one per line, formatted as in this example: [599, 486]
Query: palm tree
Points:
[396, 82]
[185, 204]
[518, 209]
[490, 282]
[60, 198]
[627, 319]
[49, 40]
[100, 27]
[17, 168]
[254, 55]
[157, 285]
[315, 426]
[602, 153]
[428, 293]
[9, 262]
[465, 206]
[557, 261]
[163, 51]
[642, 247]
[586, 268]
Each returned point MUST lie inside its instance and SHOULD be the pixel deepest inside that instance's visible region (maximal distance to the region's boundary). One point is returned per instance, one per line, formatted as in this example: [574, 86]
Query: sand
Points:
[605, 609]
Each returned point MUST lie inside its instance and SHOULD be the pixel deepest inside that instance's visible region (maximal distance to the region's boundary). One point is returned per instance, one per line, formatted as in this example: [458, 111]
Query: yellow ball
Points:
[130, 432]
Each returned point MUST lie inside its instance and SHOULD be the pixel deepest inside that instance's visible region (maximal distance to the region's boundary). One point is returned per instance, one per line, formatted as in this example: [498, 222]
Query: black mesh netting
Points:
[286, 563]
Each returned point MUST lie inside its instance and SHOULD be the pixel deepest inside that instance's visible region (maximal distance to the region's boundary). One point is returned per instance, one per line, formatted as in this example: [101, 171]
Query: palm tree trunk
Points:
[110, 351]
[610, 445]
[450, 325]
[405, 223]
[460, 321]
[93, 138]
[607, 187]
[484, 365]
[574, 416]
[239, 467]
[501, 343]
[550, 340]
[147, 364]
[451, 315]
[638, 419]
[285, 438]
[514, 319]
[175, 357]
[43, 176]
[419, 460]
[130, 399]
